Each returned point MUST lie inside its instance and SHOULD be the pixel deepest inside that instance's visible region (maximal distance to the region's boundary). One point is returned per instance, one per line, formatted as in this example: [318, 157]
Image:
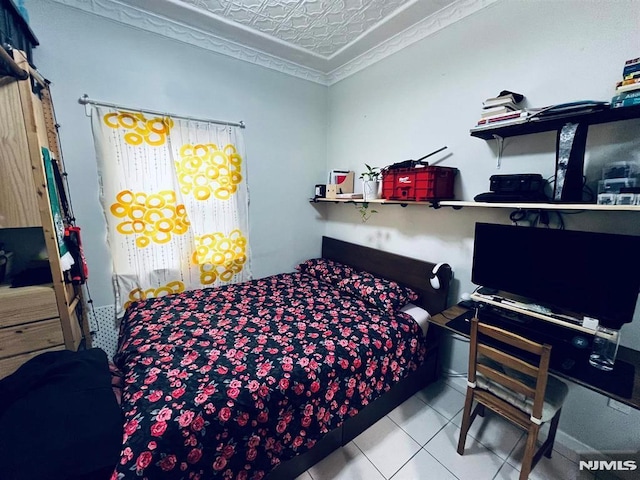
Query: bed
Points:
[263, 379]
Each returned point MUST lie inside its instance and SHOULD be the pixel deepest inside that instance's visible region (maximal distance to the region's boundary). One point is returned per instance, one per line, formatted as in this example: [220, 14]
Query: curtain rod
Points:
[85, 100]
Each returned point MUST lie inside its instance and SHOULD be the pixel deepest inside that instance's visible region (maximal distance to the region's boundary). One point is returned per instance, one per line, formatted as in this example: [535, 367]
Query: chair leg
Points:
[529, 451]
[466, 421]
[481, 410]
[553, 427]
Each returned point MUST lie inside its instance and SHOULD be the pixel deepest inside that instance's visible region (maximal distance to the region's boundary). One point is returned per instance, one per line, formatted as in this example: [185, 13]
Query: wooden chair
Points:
[519, 391]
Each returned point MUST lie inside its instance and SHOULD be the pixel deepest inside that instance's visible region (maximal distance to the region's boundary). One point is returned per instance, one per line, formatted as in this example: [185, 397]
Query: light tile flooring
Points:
[418, 440]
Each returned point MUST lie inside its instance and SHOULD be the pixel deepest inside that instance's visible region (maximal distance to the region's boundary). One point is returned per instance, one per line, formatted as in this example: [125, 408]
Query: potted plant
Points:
[370, 183]
[363, 210]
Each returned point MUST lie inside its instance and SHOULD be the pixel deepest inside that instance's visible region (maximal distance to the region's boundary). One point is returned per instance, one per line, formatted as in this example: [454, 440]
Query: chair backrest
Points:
[517, 375]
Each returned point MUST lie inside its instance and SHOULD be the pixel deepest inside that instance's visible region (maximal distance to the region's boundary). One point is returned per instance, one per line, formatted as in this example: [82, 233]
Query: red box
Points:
[419, 184]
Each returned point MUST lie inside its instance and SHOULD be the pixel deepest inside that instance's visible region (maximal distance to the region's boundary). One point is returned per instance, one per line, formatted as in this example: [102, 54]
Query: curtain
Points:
[175, 199]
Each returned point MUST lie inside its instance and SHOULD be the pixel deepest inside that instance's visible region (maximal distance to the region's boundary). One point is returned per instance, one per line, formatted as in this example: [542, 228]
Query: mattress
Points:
[230, 382]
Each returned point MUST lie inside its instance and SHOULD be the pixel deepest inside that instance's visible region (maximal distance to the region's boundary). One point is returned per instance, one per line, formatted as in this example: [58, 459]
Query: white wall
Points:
[430, 94]
[285, 136]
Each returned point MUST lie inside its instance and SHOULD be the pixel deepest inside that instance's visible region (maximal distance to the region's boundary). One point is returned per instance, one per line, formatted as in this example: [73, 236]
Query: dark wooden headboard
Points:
[404, 270]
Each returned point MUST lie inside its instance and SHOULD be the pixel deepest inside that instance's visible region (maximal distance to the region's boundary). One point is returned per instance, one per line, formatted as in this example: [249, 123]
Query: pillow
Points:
[379, 292]
[328, 271]
[420, 315]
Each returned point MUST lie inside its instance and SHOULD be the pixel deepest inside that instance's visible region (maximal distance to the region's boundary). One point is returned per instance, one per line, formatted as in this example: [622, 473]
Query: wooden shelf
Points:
[544, 124]
[379, 201]
[542, 206]
[458, 204]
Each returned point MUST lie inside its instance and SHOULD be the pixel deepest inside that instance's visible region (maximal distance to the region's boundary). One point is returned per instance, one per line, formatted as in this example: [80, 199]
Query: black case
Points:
[517, 183]
[14, 30]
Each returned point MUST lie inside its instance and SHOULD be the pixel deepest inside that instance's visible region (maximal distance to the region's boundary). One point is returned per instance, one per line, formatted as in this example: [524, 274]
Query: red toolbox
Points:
[419, 183]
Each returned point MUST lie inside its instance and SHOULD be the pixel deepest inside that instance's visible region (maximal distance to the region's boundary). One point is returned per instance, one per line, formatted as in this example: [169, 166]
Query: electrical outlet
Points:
[621, 407]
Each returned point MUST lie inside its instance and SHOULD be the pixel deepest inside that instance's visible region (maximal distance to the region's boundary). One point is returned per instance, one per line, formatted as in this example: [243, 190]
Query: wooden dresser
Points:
[39, 318]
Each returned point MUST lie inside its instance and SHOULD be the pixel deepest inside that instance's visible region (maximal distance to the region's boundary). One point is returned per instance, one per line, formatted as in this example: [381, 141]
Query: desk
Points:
[625, 354]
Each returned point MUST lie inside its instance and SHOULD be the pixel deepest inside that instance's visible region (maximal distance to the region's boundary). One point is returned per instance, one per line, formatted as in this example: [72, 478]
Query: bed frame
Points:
[408, 272]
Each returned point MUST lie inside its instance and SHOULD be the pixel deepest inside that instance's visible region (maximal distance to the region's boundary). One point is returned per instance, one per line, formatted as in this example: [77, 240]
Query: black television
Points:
[587, 273]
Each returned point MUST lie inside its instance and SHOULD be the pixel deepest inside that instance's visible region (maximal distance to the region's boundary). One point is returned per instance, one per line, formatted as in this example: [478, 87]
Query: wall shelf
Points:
[543, 206]
[533, 125]
[573, 128]
[544, 124]
[379, 201]
[458, 204]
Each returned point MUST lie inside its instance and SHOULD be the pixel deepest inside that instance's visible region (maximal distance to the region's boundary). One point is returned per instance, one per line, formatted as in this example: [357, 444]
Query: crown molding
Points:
[150, 22]
[424, 28]
[134, 17]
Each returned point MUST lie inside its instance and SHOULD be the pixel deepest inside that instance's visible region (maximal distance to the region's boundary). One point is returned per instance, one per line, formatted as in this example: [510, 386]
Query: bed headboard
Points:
[404, 270]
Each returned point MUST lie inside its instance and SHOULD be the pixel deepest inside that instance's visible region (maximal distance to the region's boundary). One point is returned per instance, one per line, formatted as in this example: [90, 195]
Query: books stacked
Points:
[501, 110]
[628, 89]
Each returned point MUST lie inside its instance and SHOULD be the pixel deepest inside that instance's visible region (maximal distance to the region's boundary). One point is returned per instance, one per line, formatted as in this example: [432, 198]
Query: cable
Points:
[448, 318]
[450, 374]
[586, 189]
[93, 310]
[544, 218]
[518, 216]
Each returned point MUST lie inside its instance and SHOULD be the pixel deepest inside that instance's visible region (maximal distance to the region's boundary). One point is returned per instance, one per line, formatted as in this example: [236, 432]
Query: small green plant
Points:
[363, 209]
[372, 173]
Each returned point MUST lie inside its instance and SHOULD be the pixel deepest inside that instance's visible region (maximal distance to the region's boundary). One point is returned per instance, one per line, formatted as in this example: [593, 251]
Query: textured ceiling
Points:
[320, 26]
[322, 41]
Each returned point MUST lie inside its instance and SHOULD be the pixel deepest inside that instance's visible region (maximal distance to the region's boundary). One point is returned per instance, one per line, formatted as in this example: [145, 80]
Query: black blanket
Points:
[59, 418]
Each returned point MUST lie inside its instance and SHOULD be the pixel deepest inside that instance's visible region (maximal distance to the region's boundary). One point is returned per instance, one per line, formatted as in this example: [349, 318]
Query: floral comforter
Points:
[229, 382]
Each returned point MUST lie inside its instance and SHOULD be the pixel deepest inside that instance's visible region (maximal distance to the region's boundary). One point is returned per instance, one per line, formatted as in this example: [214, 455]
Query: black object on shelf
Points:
[523, 187]
[14, 29]
[38, 272]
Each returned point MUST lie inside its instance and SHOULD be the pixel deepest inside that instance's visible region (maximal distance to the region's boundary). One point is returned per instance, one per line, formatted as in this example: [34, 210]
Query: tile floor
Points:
[418, 440]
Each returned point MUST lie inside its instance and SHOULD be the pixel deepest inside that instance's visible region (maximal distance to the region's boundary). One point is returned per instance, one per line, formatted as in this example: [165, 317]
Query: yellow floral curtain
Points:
[175, 199]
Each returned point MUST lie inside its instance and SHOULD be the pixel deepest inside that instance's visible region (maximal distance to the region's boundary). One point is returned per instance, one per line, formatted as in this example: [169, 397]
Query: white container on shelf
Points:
[613, 185]
[605, 348]
[622, 169]
[370, 190]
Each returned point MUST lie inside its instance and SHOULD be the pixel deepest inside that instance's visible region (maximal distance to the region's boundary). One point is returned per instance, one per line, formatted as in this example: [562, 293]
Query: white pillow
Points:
[420, 315]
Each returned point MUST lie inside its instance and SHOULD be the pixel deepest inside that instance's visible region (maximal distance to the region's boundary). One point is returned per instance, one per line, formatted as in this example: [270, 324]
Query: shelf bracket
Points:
[500, 143]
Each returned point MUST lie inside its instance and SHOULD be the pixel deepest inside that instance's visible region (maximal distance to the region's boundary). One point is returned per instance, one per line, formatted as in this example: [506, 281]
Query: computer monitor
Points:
[588, 273]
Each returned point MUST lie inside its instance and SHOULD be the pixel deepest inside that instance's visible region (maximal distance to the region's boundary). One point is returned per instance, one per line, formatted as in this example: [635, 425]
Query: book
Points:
[626, 102]
[499, 110]
[625, 95]
[503, 116]
[501, 100]
[628, 88]
[631, 68]
[631, 76]
[628, 81]
[500, 123]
